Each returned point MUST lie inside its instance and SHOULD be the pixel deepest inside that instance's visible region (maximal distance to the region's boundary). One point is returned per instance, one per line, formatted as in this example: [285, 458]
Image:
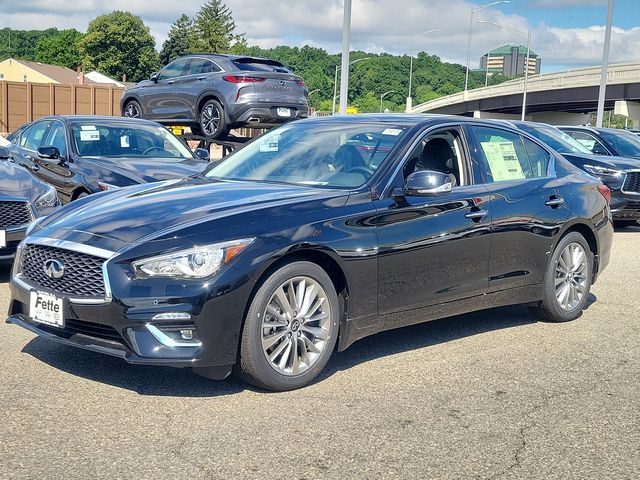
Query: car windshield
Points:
[329, 155]
[556, 139]
[95, 139]
[627, 144]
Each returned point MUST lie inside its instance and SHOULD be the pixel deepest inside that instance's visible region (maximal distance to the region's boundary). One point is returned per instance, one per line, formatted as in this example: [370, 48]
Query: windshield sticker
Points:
[88, 127]
[89, 135]
[270, 144]
[124, 141]
[503, 161]
[392, 131]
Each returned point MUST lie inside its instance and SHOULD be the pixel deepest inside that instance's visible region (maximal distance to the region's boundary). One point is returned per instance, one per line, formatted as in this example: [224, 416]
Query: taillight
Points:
[605, 192]
[301, 83]
[243, 79]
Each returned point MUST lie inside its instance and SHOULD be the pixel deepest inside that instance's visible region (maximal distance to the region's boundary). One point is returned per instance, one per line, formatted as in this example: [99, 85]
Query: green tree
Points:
[118, 44]
[178, 41]
[214, 29]
[61, 49]
[21, 44]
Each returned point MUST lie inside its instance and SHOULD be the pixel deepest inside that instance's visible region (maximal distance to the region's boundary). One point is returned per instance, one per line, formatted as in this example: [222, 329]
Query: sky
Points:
[565, 33]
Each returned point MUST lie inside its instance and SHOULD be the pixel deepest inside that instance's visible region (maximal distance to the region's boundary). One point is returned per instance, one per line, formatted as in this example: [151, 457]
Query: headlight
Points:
[105, 187]
[197, 262]
[602, 171]
[48, 199]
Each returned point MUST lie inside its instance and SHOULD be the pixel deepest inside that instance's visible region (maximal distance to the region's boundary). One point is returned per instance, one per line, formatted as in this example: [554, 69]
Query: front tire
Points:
[567, 281]
[132, 110]
[211, 122]
[291, 328]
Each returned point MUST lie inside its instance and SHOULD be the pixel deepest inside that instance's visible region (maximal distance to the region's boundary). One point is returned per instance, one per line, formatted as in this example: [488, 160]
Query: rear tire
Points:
[211, 121]
[132, 110]
[291, 328]
[567, 281]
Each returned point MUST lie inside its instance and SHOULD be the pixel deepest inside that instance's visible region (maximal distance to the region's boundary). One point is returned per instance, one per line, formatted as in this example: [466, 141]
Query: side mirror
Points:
[202, 154]
[49, 153]
[427, 182]
[154, 77]
[5, 154]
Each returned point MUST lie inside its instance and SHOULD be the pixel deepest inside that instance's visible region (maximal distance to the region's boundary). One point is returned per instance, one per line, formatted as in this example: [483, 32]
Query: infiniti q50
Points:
[311, 237]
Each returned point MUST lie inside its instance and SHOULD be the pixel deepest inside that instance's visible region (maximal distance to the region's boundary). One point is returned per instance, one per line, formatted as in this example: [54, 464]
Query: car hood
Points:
[147, 170]
[15, 181]
[141, 213]
[620, 163]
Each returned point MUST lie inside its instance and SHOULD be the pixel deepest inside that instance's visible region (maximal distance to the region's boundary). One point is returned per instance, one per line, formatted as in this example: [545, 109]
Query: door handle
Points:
[202, 78]
[171, 82]
[35, 168]
[554, 202]
[477, 214]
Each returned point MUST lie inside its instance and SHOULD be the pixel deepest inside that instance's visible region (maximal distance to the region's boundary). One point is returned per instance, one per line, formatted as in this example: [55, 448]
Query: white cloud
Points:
[566, 3]
[377, 25]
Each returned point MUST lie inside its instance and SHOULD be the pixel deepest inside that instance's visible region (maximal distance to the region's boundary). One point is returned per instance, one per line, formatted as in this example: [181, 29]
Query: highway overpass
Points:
[560, 98]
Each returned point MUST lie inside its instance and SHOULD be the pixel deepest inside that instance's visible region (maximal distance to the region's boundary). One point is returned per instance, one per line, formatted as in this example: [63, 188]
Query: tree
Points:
[118, 44]
[178, 41]
[21, 44]
[214, 29]
[61, 49]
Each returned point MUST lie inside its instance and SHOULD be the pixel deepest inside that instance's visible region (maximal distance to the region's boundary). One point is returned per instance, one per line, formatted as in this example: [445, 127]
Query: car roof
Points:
[404, 119]
[98, 118]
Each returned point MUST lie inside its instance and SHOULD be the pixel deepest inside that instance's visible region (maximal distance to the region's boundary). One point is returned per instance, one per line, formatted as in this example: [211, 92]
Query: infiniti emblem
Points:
[54, 268]
[282, 82]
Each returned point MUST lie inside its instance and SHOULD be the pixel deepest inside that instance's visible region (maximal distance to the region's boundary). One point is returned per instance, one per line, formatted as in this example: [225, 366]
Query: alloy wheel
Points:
[132, 111]
[571, 276]
[296, 326]
[210, 120]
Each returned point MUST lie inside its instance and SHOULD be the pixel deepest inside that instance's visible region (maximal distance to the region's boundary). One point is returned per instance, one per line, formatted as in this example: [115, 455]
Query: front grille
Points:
[632, 183]
[72, 327]
[82, 272]
[14, 214]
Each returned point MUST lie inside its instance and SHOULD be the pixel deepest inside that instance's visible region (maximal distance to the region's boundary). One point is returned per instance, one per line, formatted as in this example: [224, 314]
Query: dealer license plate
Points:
[284, 112]
[3, 239]
[46, 308]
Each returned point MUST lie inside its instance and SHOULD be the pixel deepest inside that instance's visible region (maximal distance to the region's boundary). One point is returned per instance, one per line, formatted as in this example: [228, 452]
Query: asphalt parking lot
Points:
[494, 394]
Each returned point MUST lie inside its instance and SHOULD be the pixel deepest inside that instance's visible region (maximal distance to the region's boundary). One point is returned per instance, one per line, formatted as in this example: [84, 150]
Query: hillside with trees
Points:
[119, 43]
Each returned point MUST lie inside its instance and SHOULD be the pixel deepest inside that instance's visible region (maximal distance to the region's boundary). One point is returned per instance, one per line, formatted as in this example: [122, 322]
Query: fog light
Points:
[172, 316]
[175, 336]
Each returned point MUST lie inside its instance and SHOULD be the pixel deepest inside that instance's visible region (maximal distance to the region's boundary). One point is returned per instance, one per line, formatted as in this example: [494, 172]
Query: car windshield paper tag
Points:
[392, 131]
[3, 239]
[89, 135]
[88, 127]
[270, 144]
[503, 161]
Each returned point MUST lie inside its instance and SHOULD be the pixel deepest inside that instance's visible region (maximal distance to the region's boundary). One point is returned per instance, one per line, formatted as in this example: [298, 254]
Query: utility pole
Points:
[605, 64]
[344, 74]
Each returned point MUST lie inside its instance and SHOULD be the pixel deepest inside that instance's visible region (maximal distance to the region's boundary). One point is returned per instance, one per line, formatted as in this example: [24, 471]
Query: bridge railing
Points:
[583, 77]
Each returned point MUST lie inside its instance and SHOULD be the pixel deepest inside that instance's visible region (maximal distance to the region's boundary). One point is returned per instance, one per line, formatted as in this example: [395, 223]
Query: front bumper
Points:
[13, 238]
[625, 206]
[259, 114]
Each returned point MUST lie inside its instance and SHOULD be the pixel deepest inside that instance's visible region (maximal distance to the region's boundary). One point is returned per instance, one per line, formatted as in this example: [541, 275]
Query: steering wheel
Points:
[367, 172]
[151, 149]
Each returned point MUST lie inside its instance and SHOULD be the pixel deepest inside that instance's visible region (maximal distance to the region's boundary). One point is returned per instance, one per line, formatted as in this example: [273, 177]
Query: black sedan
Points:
[606, 141]
[83, 155]
[314, 235]
[621, 175]
[23, 198]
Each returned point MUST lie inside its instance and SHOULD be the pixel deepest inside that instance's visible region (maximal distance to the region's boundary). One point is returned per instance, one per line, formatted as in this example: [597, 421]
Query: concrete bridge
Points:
[558, 98]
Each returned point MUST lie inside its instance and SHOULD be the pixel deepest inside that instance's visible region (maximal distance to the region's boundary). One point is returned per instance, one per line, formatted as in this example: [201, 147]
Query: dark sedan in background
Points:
[82, 155]
[316, 234]
[621, 175]
[23, 198]
[213, 93]
[606, 141]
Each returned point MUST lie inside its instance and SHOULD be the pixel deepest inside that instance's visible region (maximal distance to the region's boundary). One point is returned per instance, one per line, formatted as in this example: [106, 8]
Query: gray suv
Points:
[213, 93]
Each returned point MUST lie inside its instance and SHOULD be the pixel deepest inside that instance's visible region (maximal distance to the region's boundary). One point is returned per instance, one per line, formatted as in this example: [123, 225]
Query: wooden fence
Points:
[23, 102]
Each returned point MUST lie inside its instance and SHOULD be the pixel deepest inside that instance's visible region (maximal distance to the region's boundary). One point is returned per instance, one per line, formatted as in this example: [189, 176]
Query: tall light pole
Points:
[344, 77]
[605, 64]
[527, 36]
[335, 81]
[382, 97]
[422, 34]
[473, 11]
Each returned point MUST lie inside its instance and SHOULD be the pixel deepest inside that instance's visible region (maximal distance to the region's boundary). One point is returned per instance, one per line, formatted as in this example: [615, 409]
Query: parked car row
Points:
[316, 234]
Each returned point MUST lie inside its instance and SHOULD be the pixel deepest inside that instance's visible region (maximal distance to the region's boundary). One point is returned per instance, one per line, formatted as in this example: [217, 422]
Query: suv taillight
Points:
[301, 83]
[606, 192]
[243, 79]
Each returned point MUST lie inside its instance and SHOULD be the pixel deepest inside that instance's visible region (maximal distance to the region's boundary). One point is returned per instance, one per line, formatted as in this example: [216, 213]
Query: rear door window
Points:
[199, 66]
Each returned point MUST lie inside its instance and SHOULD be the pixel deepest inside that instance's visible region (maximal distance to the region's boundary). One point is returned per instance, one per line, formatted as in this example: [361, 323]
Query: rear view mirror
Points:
[154, 77]
[427, 182]
[5, 154]
[202, 154]
[49, 153]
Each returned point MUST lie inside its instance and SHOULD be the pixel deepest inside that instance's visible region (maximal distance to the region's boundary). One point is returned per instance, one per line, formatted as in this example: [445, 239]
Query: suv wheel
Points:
[567, 281]
[212, 123]
[132, 110]
[291, 328]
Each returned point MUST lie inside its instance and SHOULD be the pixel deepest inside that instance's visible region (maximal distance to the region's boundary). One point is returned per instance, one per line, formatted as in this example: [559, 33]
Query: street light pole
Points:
[344, 77]
[605, 64]
[473, 11]
[384, 95]
[335, 81]
[527, 36]
[409, 100]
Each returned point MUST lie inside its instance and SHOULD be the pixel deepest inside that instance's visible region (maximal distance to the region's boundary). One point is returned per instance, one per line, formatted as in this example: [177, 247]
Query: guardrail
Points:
[583, 77]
